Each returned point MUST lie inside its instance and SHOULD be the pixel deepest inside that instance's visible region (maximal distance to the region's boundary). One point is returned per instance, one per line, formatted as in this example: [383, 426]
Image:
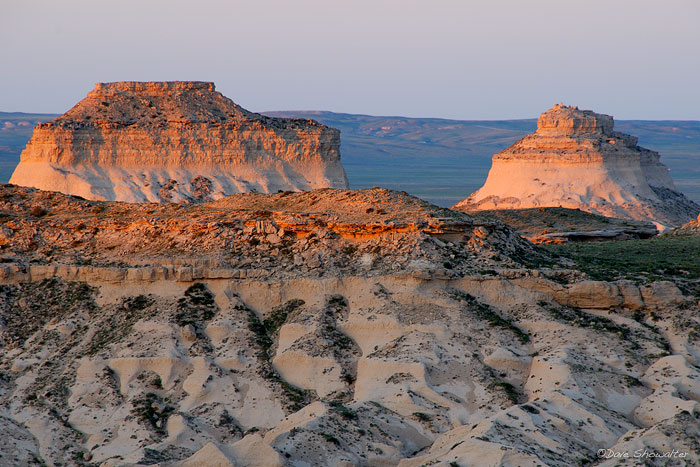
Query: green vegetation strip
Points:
[264, 332]
[659, 258]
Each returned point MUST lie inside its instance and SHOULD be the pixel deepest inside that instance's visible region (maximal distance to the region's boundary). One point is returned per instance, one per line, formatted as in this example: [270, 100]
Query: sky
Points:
[490, 59]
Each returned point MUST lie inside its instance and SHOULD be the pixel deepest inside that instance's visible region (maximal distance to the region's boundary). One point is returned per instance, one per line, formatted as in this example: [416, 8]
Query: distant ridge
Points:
[444, 165]
[437, 164]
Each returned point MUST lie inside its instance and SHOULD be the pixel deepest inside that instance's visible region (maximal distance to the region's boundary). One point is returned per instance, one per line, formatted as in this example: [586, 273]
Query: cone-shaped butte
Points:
[576, 160]
[175, 141]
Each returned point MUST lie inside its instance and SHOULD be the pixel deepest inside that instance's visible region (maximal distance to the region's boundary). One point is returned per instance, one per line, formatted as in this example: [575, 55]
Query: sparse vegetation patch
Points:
[119, 324]
[485, 312]
[27, 307]
[196, 307]
[153, 411]
[264, 332]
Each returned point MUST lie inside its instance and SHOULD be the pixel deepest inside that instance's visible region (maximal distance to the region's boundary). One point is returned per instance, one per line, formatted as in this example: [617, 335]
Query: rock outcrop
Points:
[262, 235]
[562, 225]
[691, 228]
[576, 160]
[175, 141]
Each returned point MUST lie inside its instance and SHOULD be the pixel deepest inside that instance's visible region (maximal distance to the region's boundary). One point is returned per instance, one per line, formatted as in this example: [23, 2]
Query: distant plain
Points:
[439, 160]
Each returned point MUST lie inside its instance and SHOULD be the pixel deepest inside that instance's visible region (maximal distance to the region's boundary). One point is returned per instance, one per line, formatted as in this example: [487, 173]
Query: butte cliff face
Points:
[576, 160]
[175, 141]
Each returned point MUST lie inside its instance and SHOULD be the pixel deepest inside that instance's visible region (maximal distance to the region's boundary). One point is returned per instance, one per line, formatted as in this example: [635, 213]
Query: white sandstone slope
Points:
[380, 370]
[175, 141]
[576, 160]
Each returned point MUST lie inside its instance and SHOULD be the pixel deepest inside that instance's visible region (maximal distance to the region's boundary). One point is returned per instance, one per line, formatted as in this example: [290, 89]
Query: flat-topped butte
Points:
[575, 160]
[175, 141]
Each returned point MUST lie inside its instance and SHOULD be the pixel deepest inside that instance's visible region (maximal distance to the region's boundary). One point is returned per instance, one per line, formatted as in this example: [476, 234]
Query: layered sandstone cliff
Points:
[576, 160]
[175, 141]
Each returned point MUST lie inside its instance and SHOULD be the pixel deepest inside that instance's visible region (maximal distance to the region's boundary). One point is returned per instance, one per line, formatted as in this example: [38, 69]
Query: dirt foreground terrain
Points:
[330, 327]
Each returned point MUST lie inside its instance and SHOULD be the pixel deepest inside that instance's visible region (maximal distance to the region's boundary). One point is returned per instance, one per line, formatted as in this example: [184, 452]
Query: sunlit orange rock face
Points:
[175, 141]
[576, 160]
[324, 232]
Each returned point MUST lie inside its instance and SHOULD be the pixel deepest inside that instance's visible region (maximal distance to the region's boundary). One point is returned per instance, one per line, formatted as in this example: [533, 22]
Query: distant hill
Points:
[439, 160]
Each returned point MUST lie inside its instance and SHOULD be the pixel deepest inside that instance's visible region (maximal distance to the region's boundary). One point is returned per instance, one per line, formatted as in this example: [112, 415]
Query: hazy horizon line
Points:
[263, 112]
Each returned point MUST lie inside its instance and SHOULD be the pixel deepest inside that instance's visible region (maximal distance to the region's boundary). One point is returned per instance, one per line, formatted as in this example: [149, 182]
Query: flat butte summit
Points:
[576, 160]
[175, 141]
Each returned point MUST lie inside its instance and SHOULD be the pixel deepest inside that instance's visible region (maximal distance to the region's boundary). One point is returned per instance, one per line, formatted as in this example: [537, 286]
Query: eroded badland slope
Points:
[324, 328]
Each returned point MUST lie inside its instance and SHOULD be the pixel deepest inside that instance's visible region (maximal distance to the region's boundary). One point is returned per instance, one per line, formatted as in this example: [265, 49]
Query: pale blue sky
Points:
[486, 59]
